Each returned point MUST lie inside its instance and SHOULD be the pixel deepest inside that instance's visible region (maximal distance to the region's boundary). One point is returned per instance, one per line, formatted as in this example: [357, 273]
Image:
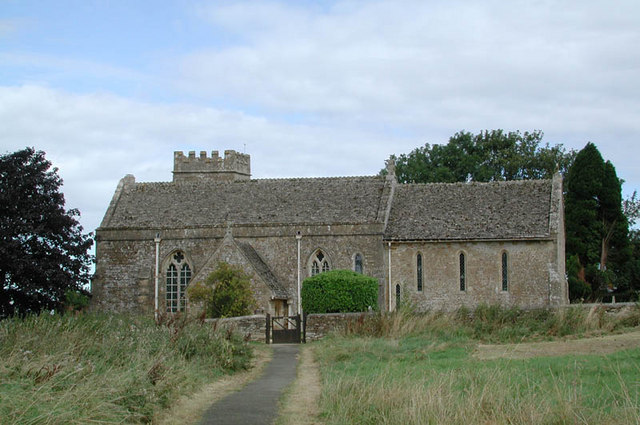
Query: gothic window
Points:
[419, 271]
[319, 263]
[463, 271]
[178, 275]
[357, 263]
[505, 272]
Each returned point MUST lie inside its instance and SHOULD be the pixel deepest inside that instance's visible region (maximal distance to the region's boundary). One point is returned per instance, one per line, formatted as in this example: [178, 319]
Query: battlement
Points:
[234, 166]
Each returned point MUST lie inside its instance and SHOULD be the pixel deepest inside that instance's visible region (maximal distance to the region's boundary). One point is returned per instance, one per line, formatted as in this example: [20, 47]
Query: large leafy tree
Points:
[596, 226]
[43, 252]
[487, 156]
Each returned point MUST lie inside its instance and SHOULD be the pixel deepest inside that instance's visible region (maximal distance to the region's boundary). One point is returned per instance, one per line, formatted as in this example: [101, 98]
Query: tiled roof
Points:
[459, 211]
[263, 270]
[206, 203]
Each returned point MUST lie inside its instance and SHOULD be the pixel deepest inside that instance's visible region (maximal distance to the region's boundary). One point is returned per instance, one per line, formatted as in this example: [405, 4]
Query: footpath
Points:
[257, 402]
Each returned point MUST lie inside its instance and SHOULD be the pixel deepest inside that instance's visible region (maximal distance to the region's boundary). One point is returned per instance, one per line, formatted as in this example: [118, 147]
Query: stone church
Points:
[439, 246]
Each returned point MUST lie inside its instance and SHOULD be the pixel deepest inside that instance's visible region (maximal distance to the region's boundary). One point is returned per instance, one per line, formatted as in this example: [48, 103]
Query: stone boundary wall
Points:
[318, 325]
[253, 328]
[609, 308]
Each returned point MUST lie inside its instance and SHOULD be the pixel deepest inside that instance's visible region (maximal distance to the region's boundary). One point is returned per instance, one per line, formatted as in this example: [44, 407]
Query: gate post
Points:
[304, 327]
[268, 329]
[298, 328]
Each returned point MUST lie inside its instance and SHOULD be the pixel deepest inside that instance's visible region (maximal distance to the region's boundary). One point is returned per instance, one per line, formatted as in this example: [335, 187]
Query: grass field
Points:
[420, 369]
[106, 369]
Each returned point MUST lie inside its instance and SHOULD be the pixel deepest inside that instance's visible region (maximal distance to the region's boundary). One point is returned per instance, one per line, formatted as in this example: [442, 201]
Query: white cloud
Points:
[95, 140]
[333, 89]
[403, 62]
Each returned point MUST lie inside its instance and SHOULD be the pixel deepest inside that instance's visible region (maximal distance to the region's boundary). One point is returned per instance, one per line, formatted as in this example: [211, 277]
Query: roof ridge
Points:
[475, 183]
[270, 179]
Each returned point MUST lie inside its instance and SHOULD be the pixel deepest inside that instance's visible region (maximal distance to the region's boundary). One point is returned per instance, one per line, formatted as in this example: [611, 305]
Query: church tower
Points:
[234, 166]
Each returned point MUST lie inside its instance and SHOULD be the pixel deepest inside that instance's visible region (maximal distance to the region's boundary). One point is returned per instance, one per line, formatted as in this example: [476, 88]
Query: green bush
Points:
[339, 291]
[226, 292]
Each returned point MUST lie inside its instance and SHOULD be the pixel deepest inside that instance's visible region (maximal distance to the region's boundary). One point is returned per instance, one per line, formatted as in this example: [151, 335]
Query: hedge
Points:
[339, 291]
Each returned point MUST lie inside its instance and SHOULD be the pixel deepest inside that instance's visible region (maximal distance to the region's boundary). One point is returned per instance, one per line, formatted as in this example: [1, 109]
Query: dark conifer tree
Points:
[597, 230]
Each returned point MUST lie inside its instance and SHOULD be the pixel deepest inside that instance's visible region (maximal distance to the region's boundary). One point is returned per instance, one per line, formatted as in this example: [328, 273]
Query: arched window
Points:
[319, 263]
[357, 263]
[463, 280]
[419, 271]
[505, 272]
[177, 278]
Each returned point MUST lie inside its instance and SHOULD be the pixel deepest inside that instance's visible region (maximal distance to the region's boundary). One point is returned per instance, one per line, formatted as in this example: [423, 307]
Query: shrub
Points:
[75, 300]
[339, 291]
[226, 292]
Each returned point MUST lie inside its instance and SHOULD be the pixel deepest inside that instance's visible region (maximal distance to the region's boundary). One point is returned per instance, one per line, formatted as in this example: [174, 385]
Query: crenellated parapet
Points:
[234, 166]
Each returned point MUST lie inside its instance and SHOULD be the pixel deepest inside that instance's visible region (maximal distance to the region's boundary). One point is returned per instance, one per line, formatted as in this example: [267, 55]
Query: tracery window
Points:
[505, 272]
[357, 263]
[178, 276]
[463, 280]
[319, 263]
[419, 271]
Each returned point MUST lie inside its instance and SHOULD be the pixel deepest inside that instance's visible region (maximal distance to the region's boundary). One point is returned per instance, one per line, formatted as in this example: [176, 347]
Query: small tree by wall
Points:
[226, 292]
[339, 291]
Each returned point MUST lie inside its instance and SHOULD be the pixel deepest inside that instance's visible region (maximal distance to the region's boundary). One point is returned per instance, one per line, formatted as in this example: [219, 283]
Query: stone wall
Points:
[319, 325]
[125, 269]
[234, 166]
[252, 328]
[531, 271]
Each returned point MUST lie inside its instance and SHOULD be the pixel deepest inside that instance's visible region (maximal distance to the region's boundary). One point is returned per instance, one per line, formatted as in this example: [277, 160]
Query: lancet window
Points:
[357, 263]
[419, 271]
[505, 272]
[463, 272]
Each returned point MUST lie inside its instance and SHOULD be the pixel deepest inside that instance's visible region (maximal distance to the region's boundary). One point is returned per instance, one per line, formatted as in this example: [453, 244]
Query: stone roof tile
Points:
[462, 211]
[207, 203]
[264, 271]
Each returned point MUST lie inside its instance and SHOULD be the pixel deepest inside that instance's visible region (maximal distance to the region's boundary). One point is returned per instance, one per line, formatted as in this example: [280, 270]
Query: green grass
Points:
[106, 369]
[418, 369]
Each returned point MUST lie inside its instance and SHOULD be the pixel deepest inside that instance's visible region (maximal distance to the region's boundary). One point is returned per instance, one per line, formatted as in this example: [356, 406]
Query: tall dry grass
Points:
[491, 396]
[494, 323]
[106, 369]
[407, 368]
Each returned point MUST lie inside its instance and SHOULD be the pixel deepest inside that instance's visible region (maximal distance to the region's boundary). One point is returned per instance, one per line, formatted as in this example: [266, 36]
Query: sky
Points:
[307, 88]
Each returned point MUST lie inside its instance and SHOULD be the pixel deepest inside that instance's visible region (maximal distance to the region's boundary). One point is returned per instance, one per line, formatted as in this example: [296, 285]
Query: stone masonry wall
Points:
[319, 325]
[529, 266]
[252, 328]
[124, 279]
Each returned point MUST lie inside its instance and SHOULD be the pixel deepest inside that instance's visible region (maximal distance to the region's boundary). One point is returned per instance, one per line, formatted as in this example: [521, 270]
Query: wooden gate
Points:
[283, 329]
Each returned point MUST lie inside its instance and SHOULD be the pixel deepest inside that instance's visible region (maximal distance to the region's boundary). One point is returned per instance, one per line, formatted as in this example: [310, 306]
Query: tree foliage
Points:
[226, 292]
[596, 226]
[43, 251]
[631, 209]
[339, 291]
[487, 156]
